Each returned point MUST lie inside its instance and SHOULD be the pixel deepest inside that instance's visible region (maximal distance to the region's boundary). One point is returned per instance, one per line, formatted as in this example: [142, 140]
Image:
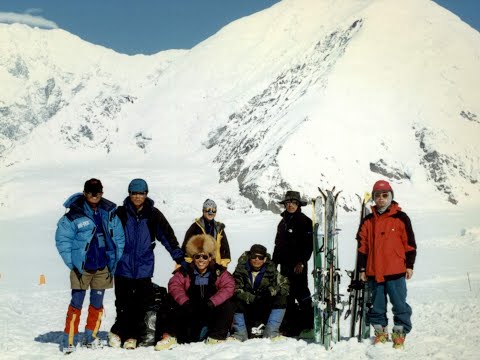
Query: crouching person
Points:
[260, 295]
[202, 295]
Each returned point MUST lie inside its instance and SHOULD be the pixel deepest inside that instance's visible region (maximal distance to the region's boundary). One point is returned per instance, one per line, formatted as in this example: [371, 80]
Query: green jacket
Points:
[269, 283]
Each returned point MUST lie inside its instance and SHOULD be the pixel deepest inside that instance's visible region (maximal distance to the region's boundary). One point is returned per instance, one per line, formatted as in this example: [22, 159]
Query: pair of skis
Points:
[327, 300]
[359, 300]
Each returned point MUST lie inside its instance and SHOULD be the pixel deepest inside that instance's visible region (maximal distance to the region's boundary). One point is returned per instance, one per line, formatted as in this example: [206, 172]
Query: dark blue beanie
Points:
[138, 185]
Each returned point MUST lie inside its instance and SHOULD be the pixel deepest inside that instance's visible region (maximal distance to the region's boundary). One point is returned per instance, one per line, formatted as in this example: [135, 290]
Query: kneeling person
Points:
[260, 293]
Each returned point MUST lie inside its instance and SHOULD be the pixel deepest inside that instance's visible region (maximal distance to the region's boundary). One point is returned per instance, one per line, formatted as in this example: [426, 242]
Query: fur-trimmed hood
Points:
[201, 244]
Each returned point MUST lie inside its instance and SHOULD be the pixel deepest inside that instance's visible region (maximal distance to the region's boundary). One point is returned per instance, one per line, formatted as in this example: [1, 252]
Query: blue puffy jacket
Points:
[141, 229]
[76, 230]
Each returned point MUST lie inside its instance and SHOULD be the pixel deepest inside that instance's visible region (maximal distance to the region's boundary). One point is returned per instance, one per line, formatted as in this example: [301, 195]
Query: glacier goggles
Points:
[380, 195]
[140, 193]
[94, 194]
[201, 256]
[210, 211]
[257, 256]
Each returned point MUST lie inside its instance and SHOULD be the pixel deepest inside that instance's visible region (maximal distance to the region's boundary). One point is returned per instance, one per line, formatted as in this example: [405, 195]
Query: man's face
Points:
[381, 198]
[93, 198]
[291, 206]
[201, 261]
[209, 213]
[138, 198]
[257, 261]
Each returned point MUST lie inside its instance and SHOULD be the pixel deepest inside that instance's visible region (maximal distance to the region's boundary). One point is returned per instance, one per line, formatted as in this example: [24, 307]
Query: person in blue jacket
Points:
[143, 223]
[90, 240]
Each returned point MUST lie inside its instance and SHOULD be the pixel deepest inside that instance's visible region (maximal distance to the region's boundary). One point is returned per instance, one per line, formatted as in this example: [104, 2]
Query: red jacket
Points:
[180, 282]
[386, 243]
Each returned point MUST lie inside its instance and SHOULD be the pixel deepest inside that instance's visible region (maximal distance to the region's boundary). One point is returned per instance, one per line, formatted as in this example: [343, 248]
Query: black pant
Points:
[298, 317]
[188, 325]
[132, 298]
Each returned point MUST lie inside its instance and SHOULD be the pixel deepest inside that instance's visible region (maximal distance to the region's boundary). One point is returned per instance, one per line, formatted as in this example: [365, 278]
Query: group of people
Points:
[104, 246]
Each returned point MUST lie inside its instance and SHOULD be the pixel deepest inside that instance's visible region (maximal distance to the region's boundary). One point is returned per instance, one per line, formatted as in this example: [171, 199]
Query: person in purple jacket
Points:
[202, 297]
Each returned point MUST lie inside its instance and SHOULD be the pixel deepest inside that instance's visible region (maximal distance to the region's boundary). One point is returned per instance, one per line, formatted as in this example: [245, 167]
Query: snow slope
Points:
[444, 292]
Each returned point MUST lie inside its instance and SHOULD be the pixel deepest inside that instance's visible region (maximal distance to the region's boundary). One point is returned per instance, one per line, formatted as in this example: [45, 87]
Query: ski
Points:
[318, 241]
[326, 298]
[359, 300]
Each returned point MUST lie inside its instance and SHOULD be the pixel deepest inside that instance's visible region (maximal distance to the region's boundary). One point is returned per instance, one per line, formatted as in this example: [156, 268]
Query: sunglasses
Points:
[381, 195]
[201, 256]
[210, 211]
[94, 194]
[256, 256]
[142, 193]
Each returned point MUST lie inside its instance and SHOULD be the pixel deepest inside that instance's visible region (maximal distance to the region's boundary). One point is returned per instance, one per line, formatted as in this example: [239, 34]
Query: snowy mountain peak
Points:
[304, 94]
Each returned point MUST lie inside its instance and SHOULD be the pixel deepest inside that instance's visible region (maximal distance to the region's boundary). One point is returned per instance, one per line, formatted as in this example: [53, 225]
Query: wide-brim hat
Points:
[293, 195]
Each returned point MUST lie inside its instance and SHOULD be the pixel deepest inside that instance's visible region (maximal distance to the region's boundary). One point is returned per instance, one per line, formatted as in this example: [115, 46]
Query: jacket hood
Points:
[72, 199]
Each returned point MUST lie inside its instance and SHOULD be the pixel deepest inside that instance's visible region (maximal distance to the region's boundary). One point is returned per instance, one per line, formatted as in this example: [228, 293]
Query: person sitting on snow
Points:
[261, 295]
[202, 295]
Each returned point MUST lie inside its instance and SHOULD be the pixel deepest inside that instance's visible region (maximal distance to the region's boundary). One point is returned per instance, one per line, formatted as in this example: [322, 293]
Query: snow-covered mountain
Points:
[307, 93]
[50, 73]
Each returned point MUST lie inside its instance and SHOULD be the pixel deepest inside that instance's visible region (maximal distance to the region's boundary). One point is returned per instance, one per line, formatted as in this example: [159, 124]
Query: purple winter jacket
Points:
[179, 284]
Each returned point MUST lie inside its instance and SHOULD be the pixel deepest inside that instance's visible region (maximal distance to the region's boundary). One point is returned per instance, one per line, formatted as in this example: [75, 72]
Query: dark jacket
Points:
[141, 230]
[293, 242]
[268, 283]
[217, 231]
[386, 243]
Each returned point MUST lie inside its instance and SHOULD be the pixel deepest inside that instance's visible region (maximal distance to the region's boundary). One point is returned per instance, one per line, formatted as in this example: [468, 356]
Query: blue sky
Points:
[150, 26]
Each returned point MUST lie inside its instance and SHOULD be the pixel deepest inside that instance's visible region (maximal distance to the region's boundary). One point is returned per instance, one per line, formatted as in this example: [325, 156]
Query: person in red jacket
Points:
[202, 294]
[386, 255]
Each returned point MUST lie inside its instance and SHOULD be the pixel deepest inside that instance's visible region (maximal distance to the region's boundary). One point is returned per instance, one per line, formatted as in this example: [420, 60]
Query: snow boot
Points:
[114, 340]
[381, 334]
[70, 333]
[272, 329]
[239, 327]
[68, 346]
[212, 341]
[166, 343]
[94, 321]
[398, 337]
[130, 344]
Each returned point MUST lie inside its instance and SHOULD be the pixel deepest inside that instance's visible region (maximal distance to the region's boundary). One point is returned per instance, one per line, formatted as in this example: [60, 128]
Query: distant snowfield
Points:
[444, 292]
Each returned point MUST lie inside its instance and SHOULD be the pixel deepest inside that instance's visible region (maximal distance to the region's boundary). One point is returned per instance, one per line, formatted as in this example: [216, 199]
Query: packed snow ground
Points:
[444, 292]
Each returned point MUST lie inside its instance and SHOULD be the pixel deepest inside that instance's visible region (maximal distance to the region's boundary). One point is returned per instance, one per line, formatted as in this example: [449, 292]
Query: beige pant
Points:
[98, 280]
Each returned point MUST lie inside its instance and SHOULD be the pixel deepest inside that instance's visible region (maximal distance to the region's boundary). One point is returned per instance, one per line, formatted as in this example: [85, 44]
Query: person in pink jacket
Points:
[202, 297]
